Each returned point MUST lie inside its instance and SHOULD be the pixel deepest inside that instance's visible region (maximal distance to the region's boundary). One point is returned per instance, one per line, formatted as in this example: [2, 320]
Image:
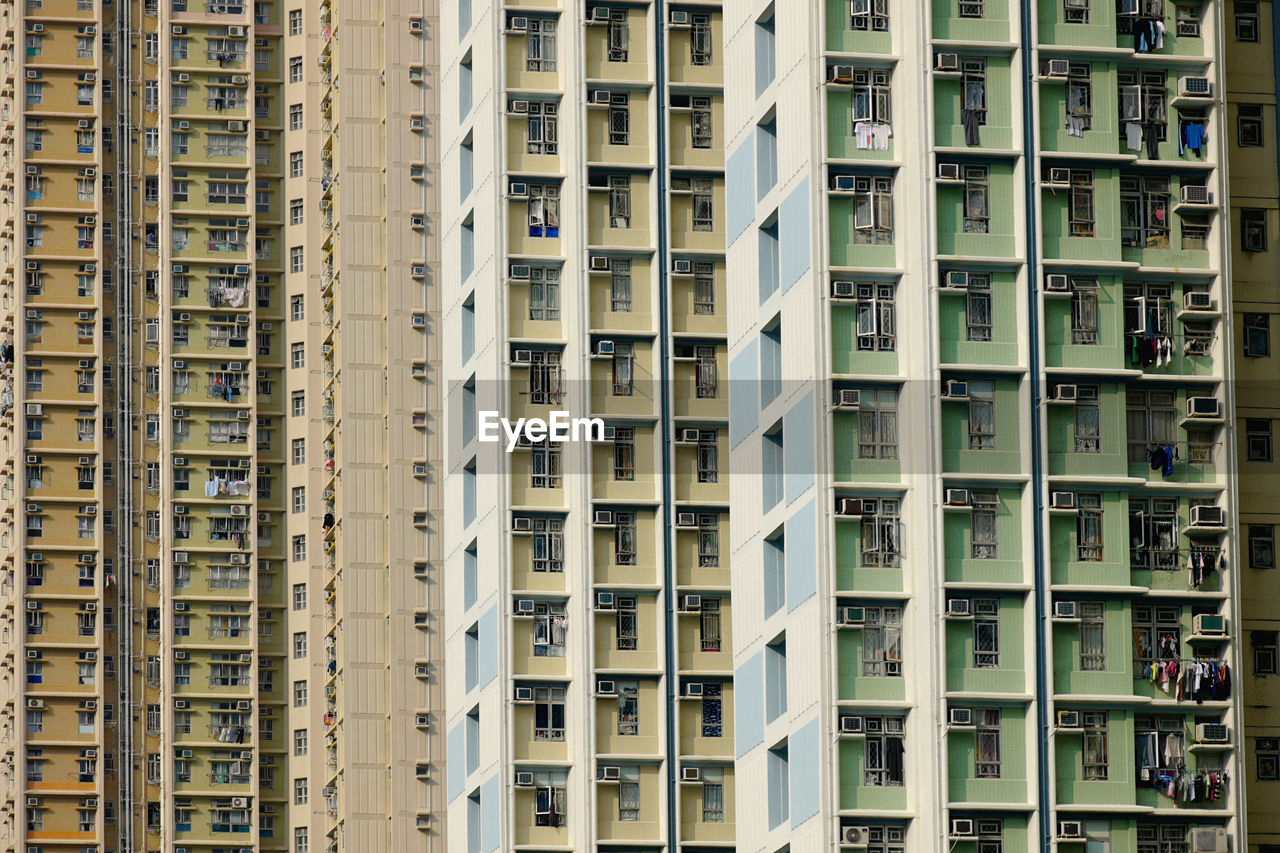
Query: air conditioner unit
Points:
[1057, 283]
[183, 78]
[1207, 515]
[843, 289]
[946, 62]
[682, 267]
[522, 356]
[263, 517]
[850, 724]
[83, 363]
[178, 31]
[679, 18]
[180, 509]
[690, 774]
[32, 802]
[688, 436]
[961, 828]
[520, 272]
[1203, 407]
[1064, 393]
[610, 773]
[1195, 87]
[1065, 610]
[956, 280]
[239, 80]
[181, 557]
[517, 189]
[244, 705]
[843, 183]
[34, 508]
[1196, 195]
[693, 689]
[1209, 625]
[691, 603]
[599, 263]
[604, 348]
[517, 25]
[956, 389]
[1212, 733]
[606, 687]
[1057, 177]
[848, 398]
[239, 509]
[840, 74]
[33, 217]
[849, 506]
[35, 703]
[960, 717]
[89, 607]
[1057, 68]
[180, 606]
[1070, 829]
[522, 524]
[235, 32]
[602, 518]
[239, 802]
[1068, 719]
[525, 606]
[181, 655]
[1201, 300]
[958, 607]
[609, 433]
[524, 779]
[686, 519]
[182, 705]
[604, 601]
[34, 460]
[601, 96]
[33, 654]
[1208, 839]
[235, 366]
[853, 615]
[236, 126]
[1062, 500]
[33, 266]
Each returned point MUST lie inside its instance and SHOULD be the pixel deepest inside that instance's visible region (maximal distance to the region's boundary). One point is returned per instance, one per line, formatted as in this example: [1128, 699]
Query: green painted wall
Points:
[1011, 787]
[1113, 569]
[840, 141]
[1117, 678]
[1109, 352]
[849, 575]
[848, 467]
[842, 38]
[1105, 244]
[1103, 137]
[855, 795]
[1113, 446]
[846, 253]
[1010, 676]
[1118, 788]
[958, 538]
[853, 684]
[1005, 458]
[999, 242]
[845, 357]
[998, 131]
[992, 26]
[953, 330]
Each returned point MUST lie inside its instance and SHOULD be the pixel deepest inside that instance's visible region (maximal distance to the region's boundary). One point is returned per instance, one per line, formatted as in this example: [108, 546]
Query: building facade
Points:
[588, 584]
[1251, 33]
[220, 523]
[986, 586]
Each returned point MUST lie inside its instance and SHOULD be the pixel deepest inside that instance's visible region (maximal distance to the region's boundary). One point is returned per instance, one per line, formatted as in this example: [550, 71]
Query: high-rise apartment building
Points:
[986, 587]
[587, 592]
[220, 518]
[1250, 30]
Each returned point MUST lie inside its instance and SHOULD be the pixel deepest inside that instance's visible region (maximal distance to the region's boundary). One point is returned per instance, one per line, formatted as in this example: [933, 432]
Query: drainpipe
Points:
[1039, 586]
[664, 394]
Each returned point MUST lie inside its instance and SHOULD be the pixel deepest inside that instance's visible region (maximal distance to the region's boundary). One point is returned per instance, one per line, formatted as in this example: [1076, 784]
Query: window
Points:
[544, 377]
[1265, 651]
[298, 403]
[708, 456]
[705, 374]
[295, 22]
[1253, 230]
[708, 540]
[299, 694]
[550, 805]
[704, 287]
[295, 164]
[712, 710]
[295, 116]
[1143, 99]
[881, 533]
[542, 127]
[1144, 212]
[1084, 311]
[544, 210]
[1262, 546]
[882, 641]
[301, 791]
[1076, 11]
[973, 85]
[1246, 21]
[700, 39]
[624, 454]
[299, 596]
[1093, 650]
[540, 45]
[549, 628]
[626, 622]
[1257, 335]
[983, 530]
[987, 739]
[548, 544]
[1088, 422]
[299, 741]
[978, 307]
[628, 708]
[297, 259]
[712, 795]
[1151, 420]
[1258, 437]
[295, 211]
[623, 369]
[548, 713]
[300, 839]
[700, 128]
[1157, 635]
[883, 752]
[1080, 212]
[876, 317]
[870, 15]
[982, 416]
[873, 210]
[878, 424]
[629, 794]
[703, 204]
[870, 97]
[1153, 534]
[624, 539]
[295, 69]
[298, 451]
[766, 58]
[619, 201]
[986, 633]
[1188, 21]
[1094, 755]
[1089, 527]
[619, 36]
[619, 118]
